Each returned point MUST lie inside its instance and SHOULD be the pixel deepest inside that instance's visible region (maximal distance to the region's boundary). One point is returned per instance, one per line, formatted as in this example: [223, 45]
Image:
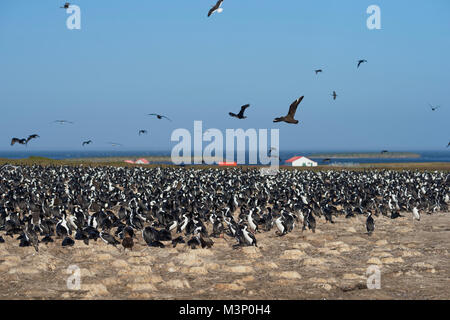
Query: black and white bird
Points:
[318, 71]
[434, 108]
[19, 141]
[240, 115]
[66, 5]
[142, 132]
[216, 8]
[289, 118]
[360, 62]
[159, 116]
[416, 214]
[370, 224]
[249, 237]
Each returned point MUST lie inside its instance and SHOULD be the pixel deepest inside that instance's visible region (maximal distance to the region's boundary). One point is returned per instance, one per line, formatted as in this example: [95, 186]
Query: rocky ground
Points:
[413, 257]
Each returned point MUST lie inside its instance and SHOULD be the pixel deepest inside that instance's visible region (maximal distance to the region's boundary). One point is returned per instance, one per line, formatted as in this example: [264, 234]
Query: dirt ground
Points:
[413, 257]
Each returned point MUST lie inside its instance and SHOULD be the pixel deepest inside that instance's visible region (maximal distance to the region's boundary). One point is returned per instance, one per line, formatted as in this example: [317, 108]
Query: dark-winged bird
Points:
[361, 61]
[318, 71]
[33, 136]
[216, 8]
[289, 118]
[17, 140]
[384, 151]
[240, 115]
[86, 142]
[370, 224]
[66, 5]
[142, 132]
[448, 145]
[334, 95]
[158, 116]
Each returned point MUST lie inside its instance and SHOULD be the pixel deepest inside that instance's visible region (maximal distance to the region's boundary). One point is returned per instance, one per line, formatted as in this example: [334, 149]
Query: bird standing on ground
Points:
[216, 8]
[370, 224]
[360, 62]
[289, 118]
[240, 115]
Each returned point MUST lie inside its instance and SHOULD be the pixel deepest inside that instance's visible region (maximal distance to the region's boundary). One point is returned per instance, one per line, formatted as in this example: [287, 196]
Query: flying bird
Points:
[360, 62]
[434, 108]
[384, 151]
[240, 115]
[114, 144]
[289, 118]
[33, 136]
[158, 116]
[448, 145]
[66, 5]
[17, 140]
[142, 132]
[86, 142]
[62, 121]
[334, 95]
[216, 8]
[318, 71]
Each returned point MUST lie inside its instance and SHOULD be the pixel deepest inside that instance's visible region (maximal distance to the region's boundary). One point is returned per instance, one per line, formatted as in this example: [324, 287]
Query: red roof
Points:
[293, 159]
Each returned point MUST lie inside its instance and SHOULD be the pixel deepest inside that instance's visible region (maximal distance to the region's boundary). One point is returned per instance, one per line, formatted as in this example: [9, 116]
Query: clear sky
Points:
[131, 58]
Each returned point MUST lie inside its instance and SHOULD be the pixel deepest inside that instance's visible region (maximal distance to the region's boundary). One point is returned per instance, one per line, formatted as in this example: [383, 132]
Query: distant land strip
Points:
[369, 155]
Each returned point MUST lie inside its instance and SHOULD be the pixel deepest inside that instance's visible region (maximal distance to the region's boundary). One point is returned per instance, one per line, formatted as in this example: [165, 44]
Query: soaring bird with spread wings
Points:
[240, 115]
[216, 8]
[19, 141]
[289, 118]
[158, 116]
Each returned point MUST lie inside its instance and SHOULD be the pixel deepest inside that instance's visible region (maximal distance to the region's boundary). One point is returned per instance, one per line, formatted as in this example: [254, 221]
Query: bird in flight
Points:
[33, 136]
[318, 71]
[17, 140]
[114, 144]
[334, 95]
[158, 116]
[289, 118]
[240, 115]
[86, 142]
[384, 151]
[66, 5]
[434, 108]
[216, 8]
[360, 62]
[142, 132]
[62, 121]
[448, 145]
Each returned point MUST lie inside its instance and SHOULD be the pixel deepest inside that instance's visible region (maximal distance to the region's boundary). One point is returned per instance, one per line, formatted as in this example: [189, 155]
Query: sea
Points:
[425, 156]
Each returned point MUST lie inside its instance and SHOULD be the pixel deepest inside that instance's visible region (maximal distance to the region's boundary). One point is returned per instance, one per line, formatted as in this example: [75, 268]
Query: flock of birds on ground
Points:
[289, 118]
[171, 206]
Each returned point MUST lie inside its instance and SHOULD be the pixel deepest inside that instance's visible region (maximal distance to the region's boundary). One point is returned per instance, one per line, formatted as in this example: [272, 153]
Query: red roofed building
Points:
[300, 161]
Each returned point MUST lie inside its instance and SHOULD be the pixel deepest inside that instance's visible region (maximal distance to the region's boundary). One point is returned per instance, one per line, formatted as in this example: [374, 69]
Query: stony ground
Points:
[413, 258]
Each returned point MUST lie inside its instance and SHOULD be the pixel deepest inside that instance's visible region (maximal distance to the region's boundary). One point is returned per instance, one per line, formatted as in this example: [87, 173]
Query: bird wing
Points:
[294, 105]
[152, 114]
[166, 118]
[215, 7]
[241, 113]
[14, 140]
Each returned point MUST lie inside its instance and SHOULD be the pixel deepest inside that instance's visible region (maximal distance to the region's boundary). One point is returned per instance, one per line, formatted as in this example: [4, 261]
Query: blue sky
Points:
[131, 58]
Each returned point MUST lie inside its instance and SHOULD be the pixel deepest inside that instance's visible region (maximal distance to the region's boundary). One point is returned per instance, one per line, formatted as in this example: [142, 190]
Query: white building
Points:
[301, 162]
